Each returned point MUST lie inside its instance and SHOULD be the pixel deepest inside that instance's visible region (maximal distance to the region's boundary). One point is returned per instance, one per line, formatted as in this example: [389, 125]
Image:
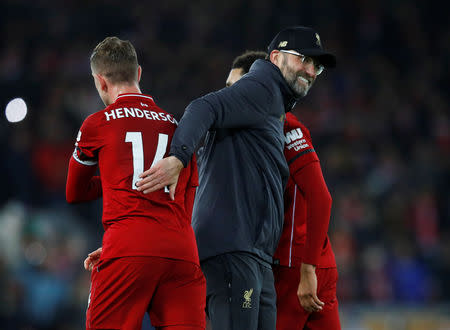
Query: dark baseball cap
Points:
[305, 41]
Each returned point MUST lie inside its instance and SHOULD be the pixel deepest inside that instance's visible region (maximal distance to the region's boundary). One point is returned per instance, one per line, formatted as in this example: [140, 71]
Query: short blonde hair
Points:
[115, 59]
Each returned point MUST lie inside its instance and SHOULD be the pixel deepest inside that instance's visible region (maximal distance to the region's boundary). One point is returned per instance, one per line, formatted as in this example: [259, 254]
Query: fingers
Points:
[172, 189]
[96, 253]
[147, 173]
[87, 263]
[151, 188]
[92, 259]
[315, 303]
[311, 303]
[149, 184]
[90, 263]
[318, 301]
[164, 173]
[152, 182]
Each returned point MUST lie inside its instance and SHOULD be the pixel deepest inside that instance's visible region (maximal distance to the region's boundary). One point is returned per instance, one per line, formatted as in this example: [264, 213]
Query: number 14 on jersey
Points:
[135, 138]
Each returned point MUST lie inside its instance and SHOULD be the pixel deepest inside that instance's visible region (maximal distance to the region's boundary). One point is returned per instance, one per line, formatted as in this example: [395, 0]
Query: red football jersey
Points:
[299, 152]
[125, 139]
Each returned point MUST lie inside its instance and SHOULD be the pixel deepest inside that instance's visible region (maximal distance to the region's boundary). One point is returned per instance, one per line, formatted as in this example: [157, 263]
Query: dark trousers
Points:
[240, 292]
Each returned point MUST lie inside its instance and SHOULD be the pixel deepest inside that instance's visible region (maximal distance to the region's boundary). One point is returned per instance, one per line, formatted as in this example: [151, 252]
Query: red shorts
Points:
[291, 315]
[173, 292]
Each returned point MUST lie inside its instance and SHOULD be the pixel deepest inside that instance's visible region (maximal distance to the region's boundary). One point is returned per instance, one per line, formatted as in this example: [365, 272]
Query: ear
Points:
[101, 82]
[276, 57]
[139, 73]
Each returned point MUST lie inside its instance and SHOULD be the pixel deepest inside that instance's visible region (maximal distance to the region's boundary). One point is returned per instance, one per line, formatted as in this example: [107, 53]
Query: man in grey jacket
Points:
[238, 210]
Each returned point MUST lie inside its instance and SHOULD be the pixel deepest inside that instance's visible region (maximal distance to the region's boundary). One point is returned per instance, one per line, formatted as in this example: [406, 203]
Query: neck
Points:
[123, 89]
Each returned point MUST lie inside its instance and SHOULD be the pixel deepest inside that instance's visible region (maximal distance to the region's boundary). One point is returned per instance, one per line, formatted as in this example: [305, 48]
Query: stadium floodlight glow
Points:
[16, 110]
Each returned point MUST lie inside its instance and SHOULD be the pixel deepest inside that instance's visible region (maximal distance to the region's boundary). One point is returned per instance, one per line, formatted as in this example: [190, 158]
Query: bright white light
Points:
[16, 110]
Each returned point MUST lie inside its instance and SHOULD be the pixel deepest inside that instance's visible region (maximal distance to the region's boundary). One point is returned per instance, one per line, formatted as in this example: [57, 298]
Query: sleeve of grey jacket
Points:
[244, 104]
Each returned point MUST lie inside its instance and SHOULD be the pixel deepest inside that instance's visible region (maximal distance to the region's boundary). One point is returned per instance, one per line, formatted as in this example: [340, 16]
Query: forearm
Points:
[318, 205]
[196, 121]
[245, 104]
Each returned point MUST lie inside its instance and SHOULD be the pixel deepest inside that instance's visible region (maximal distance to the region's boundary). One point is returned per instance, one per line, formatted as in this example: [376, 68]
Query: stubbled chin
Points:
[301, 90]
[302, 86]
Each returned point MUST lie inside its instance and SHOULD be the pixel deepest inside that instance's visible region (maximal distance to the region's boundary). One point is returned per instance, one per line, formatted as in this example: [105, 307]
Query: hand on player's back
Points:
[163, 173]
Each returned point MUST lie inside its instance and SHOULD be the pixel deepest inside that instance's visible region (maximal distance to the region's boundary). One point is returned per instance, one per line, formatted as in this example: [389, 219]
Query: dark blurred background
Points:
[379, 122]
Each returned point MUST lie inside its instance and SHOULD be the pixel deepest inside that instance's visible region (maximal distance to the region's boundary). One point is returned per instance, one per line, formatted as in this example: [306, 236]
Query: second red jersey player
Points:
[149, 261]
[304, 238]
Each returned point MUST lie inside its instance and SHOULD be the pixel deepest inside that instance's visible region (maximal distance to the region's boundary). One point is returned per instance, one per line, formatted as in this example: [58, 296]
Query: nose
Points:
[310, 69]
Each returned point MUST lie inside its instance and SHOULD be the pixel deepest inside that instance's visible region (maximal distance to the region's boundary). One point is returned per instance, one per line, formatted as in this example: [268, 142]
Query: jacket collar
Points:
[289, 97]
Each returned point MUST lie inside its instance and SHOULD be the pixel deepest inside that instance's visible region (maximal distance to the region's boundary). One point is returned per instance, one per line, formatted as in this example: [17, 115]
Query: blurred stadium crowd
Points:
[379, 122]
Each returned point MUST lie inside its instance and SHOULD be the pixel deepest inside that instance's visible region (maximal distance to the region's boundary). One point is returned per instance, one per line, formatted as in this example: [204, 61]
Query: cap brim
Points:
[328, 60]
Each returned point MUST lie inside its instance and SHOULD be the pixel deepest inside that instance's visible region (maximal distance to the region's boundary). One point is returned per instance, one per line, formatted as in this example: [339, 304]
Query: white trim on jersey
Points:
[292, 226]
[83, 162]
[137, 95]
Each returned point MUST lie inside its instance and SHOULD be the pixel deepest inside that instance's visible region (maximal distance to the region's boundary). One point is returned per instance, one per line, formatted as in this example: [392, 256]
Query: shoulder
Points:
[94, 119]
[89, 130]
[292, 122]
[263, 67]
[249, 90]
[263, 72]
[166, 116]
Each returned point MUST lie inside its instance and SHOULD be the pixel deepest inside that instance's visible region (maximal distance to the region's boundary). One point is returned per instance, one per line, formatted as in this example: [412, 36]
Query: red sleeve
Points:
[318, 208]
[89, 142]
[81, 184]
[191, 188]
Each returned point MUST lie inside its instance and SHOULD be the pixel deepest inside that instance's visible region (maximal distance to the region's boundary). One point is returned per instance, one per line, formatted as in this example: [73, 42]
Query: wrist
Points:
[177, 162]
[307, 268]
[179, 158]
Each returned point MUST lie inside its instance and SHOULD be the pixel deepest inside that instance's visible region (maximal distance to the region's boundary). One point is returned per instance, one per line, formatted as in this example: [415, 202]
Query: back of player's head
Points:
[116, 60]
[246, 60]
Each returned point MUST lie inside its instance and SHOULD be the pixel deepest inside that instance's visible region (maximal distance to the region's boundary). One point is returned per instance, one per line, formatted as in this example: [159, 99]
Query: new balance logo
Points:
[318, 43]
[144, 104]
[247, 299]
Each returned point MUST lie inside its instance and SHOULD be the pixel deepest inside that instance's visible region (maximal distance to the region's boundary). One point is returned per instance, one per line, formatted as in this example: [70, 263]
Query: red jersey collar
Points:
[127, 96]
